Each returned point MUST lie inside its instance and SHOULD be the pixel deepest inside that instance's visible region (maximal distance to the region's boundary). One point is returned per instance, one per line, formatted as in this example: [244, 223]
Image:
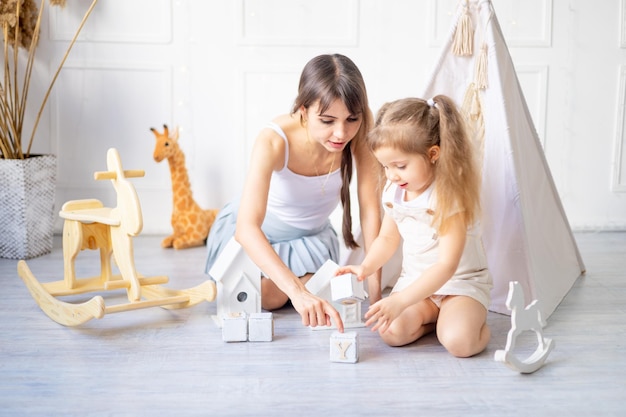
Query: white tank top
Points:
[301, 201]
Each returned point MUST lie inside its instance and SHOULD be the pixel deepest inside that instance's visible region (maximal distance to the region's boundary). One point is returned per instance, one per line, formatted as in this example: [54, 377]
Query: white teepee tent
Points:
[525, 231]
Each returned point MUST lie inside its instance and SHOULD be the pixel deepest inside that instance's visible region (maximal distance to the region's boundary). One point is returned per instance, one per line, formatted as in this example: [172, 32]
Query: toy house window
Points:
[242, 296]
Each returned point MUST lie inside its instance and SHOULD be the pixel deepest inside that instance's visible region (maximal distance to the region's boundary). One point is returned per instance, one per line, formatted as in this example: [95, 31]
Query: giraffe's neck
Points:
[180, 178]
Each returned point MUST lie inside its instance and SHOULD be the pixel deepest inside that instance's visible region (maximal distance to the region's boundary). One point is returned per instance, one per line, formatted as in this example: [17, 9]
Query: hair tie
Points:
[431, 102]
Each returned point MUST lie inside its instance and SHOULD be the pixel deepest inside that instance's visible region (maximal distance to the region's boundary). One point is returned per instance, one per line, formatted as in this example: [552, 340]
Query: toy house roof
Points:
[233, 261]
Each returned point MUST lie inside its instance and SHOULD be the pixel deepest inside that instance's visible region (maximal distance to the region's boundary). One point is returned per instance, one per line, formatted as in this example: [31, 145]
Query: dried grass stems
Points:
[20, 21]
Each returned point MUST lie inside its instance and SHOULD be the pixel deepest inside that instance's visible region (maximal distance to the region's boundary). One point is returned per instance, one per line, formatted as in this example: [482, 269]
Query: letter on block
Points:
[235, 327]
[347, 289]
[344, 347]
[260, 327]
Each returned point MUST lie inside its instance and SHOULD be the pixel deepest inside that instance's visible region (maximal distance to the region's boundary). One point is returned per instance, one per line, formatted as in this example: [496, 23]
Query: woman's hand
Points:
[316, 311]
[383, 312]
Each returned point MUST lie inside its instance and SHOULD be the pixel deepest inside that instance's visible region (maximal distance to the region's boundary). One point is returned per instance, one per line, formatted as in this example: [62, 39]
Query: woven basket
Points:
[27, 206]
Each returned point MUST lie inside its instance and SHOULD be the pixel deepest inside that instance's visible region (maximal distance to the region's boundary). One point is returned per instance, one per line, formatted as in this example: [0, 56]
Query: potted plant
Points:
[27, 181]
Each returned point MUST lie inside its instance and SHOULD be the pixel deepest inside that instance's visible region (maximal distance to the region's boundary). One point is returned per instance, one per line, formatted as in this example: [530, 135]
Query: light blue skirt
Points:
[303, 251]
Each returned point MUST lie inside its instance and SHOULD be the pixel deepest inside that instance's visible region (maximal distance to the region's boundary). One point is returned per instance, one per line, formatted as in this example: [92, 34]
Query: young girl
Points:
[431, 204]
[300, 169]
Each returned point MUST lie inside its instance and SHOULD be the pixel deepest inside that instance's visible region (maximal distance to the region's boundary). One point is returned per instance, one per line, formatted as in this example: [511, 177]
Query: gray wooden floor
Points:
[155, 362]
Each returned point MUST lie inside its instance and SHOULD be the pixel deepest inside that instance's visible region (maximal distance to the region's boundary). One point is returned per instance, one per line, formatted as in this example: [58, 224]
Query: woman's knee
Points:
[272, 297]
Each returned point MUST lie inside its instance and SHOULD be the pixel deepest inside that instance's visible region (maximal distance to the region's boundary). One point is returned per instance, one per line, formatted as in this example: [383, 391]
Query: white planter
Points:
[27, 206]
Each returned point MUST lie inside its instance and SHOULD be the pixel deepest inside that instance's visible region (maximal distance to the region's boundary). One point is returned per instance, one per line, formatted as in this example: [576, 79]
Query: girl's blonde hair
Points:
[413, 125]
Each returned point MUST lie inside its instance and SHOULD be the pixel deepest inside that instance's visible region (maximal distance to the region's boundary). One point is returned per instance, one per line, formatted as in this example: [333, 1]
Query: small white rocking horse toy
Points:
[524, 319]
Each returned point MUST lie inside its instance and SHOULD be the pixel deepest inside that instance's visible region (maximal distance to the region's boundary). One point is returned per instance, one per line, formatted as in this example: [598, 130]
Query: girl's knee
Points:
[397, 335]
[393, 339]
[462, 328]
[459, 347]
[463, 344]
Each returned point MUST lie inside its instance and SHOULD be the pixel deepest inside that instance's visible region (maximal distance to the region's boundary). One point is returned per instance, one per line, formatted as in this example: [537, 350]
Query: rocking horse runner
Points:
[90, 225]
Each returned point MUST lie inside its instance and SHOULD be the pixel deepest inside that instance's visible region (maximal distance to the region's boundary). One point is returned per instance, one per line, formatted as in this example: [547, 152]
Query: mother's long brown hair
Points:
[327, 78]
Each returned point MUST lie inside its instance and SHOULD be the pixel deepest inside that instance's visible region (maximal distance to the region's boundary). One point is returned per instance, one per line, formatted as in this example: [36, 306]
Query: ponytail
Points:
[458, 178]
[346, 175]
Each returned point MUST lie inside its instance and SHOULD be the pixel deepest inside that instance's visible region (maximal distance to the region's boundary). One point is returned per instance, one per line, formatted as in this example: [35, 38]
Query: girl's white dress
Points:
[420, 248]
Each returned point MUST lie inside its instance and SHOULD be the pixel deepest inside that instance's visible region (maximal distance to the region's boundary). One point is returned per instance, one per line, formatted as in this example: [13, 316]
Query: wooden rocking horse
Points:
[90, 225]
[524, 318]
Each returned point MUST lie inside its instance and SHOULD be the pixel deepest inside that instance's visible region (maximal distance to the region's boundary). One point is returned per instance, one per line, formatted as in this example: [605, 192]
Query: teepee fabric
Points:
[525, 230]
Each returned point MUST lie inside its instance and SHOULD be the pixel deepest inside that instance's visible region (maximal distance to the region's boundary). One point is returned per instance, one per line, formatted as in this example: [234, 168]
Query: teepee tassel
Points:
[464, 35]
[475, 108]
[480, 71]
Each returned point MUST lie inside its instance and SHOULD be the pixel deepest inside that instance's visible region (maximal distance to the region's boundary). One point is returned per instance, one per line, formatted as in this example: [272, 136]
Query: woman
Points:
[300, 169]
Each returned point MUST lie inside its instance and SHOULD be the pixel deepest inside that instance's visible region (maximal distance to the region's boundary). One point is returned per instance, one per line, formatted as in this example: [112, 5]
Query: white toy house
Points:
[319, 285]
[238, 282]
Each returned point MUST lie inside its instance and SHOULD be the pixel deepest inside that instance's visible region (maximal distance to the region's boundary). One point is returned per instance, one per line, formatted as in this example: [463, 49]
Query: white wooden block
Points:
[319, 284]
[235, 327]
[260, 327]
[347, 288]
[344, 347]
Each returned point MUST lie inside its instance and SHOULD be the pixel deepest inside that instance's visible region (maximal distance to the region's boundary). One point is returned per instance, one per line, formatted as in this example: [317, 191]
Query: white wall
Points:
[221, 68]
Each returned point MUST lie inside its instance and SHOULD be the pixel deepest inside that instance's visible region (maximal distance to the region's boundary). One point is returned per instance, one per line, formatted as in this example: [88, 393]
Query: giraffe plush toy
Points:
[190, 222]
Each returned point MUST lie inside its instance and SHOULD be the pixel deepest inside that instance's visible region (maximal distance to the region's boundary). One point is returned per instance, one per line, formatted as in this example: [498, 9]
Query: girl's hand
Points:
[357, 270]
[316, 311]
[383, 312]
[374, 291]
